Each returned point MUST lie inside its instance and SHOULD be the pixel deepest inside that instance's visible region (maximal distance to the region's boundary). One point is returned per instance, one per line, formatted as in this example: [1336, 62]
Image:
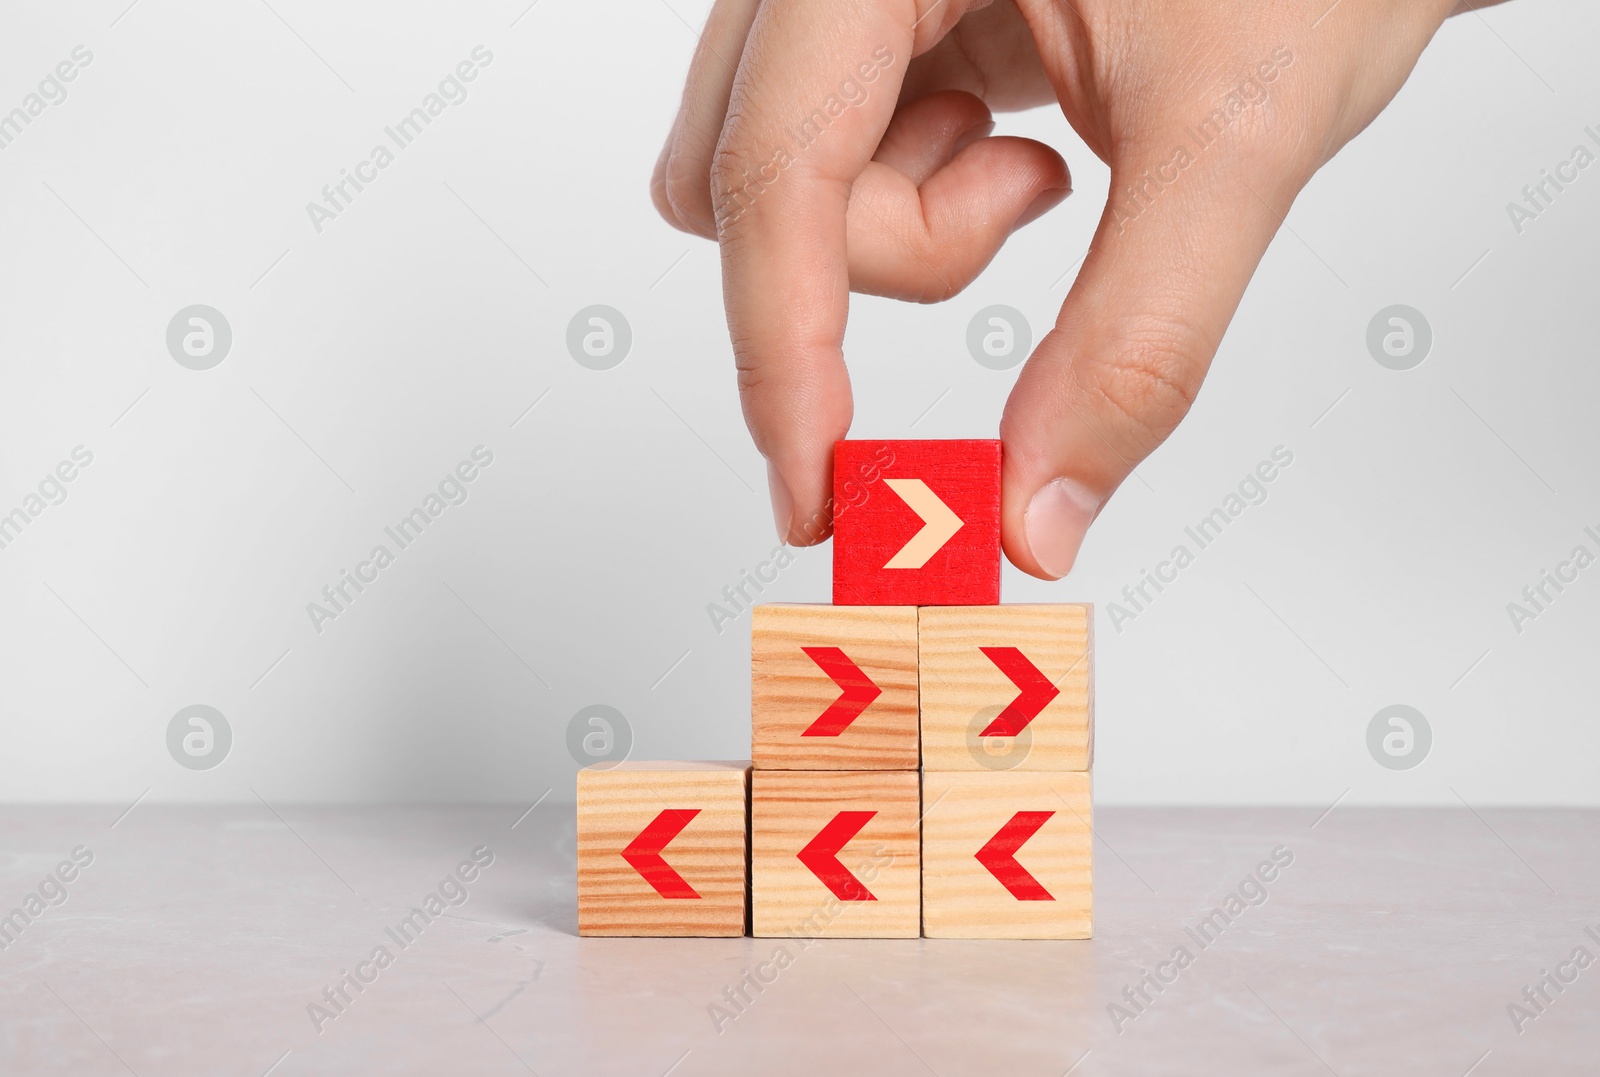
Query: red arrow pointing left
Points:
[821, 855]
[644, 853]
[1034, 691]
[999, 855]
[857, 691]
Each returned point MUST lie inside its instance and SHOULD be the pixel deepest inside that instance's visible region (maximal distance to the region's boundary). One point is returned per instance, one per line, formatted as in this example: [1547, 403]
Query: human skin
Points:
[907, 194]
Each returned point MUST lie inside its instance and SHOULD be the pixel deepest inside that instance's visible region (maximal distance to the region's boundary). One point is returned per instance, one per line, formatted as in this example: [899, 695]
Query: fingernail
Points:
[782, 502]
[983, 130]
[1055, 523]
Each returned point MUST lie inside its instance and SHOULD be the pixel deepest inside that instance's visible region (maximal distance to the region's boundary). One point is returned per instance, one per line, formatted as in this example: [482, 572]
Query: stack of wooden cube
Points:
[920, 752]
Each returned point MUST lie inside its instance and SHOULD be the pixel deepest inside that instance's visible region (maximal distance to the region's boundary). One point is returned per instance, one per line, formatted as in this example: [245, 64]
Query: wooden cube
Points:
[1006, 687]
[1007, 855]
[662, 848]
[833, 687]
[916, 523]
[835, 854]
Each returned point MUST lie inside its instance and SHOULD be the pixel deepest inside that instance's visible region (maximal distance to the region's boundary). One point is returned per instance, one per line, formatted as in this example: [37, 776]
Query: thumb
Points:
[1181, 236]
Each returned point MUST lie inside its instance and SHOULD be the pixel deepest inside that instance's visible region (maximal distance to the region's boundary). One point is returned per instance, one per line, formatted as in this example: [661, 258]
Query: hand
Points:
[839, 145]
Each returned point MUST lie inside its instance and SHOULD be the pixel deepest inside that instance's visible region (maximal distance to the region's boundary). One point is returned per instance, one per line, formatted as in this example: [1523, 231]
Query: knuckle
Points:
[740, 183]
[1270, 144]
[729, 161]
[751, 373]
[1151, 381]
[729, 167]
[735, 168]
[747, 165]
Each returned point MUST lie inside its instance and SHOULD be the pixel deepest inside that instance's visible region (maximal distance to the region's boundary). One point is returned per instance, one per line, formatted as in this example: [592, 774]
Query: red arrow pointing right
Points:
[1034, 691]
[821, 855]
[999, 855]
[857, 693]
[644, 853]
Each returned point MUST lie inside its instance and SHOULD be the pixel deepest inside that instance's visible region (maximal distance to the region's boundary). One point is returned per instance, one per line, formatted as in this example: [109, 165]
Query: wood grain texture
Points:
[963, 690]
[789, 690]
[788, 809]
[872, 523]
[962, 899]
[617, 802]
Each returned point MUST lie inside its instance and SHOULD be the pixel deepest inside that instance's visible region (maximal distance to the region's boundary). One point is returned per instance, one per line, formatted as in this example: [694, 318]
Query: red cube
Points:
[916, 523]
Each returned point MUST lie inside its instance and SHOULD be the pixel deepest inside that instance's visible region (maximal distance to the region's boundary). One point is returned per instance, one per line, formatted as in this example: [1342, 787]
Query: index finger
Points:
[814, 93]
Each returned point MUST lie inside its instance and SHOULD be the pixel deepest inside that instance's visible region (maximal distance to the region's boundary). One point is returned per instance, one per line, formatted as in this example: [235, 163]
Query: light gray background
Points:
[370, 359]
